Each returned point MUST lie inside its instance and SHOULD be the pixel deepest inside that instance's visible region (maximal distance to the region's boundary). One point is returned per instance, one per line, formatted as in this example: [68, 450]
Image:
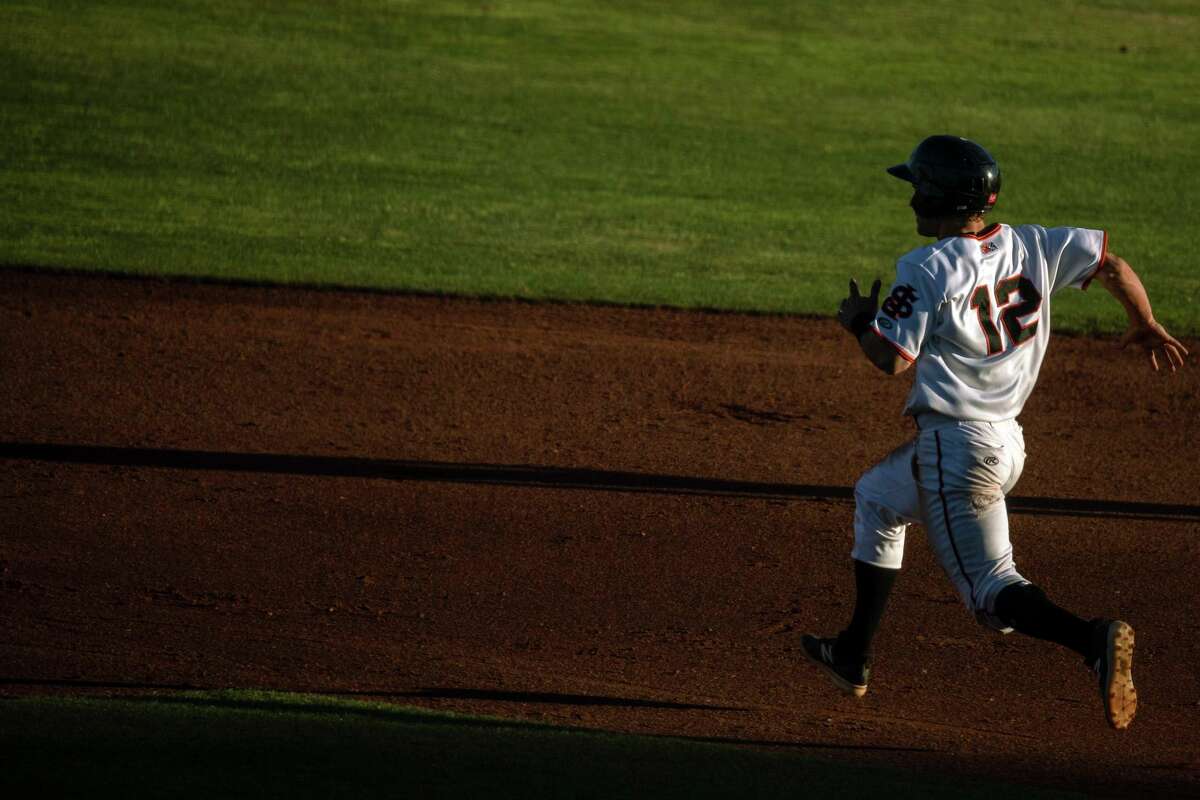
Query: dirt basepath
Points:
[600, 517]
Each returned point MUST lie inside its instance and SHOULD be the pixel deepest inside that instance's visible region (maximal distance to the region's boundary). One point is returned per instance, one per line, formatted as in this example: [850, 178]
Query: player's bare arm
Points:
[882, 354]
[1122, 282]
[855, 315]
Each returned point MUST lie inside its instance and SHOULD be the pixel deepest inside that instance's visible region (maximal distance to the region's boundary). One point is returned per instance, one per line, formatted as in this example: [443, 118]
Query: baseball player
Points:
[972, 312]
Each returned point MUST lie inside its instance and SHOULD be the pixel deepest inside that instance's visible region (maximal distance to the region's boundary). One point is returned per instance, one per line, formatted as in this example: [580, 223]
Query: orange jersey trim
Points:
[1099, 264]
[903, 353]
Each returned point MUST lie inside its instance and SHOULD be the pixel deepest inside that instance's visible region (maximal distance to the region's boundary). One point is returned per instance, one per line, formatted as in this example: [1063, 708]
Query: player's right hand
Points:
[856, 304]
[1154, 339]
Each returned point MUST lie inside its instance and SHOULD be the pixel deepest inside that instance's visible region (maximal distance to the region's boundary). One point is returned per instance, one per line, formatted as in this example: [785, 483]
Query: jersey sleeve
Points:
[905, 315]
[1074, 256]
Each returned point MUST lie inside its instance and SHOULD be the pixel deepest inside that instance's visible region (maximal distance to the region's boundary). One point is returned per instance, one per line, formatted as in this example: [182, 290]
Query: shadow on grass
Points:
[539, 698]
[256, 744]
[404, 715]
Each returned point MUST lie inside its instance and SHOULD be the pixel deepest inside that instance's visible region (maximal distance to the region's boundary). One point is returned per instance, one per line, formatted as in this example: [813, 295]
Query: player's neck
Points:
[960, 227]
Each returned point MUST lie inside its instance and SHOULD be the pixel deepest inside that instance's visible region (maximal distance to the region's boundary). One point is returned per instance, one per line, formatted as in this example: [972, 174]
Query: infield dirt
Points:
[600, 517]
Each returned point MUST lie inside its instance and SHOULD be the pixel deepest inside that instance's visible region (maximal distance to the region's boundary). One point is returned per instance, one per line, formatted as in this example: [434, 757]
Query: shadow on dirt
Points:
[542, 477]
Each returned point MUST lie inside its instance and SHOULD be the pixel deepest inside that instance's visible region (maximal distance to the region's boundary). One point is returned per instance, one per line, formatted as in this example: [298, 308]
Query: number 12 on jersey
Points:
[1027, 301]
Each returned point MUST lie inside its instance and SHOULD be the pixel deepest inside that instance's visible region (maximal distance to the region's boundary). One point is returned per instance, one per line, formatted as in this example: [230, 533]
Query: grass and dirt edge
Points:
[235, 743]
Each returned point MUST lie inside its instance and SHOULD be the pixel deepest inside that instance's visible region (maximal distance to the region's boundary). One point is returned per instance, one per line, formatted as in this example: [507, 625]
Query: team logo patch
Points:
[884, 322]
[899, 304]
[988, 247]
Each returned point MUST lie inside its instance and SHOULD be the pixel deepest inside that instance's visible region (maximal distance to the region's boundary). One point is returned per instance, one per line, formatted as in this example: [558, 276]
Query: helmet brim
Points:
[902, 172]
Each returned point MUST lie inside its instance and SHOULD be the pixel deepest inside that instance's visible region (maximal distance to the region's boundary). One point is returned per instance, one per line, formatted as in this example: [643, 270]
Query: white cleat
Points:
[1115, 670]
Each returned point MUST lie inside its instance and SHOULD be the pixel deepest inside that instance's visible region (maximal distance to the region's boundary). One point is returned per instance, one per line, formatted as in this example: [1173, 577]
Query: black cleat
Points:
[849, 676]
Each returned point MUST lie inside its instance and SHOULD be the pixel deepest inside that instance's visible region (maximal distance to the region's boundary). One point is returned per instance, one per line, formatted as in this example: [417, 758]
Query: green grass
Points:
[256, 744]
[703, 154]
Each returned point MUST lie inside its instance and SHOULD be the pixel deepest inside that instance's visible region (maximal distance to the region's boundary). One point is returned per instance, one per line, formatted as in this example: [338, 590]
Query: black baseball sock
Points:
[1027, 609]
[873, 585]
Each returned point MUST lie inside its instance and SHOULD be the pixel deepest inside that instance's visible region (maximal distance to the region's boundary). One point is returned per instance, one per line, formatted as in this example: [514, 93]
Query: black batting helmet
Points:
[953, 176]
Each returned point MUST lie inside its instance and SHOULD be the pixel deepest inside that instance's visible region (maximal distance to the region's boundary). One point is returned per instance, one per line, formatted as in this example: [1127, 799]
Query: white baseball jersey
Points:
[973, 312]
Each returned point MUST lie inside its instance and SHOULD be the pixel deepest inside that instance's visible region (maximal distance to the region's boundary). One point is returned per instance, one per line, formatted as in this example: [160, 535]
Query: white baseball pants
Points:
[952, 479]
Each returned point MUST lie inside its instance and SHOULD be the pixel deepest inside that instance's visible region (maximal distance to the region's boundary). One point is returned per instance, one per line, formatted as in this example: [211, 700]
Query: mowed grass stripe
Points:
[700, 155]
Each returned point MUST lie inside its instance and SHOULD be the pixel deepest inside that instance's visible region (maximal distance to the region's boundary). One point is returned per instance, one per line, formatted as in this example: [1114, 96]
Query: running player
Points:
[972, 312]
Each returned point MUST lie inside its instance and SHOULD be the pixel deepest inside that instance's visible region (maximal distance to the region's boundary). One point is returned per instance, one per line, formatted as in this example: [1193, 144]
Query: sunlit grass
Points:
[697, 154]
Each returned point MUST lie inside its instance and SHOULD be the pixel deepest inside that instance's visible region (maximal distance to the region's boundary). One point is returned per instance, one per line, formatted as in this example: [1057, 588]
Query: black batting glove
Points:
[857, 311]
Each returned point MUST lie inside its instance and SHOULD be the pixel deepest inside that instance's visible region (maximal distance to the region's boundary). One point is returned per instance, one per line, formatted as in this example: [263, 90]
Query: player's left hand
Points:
[1154, 339]
[857, 304]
